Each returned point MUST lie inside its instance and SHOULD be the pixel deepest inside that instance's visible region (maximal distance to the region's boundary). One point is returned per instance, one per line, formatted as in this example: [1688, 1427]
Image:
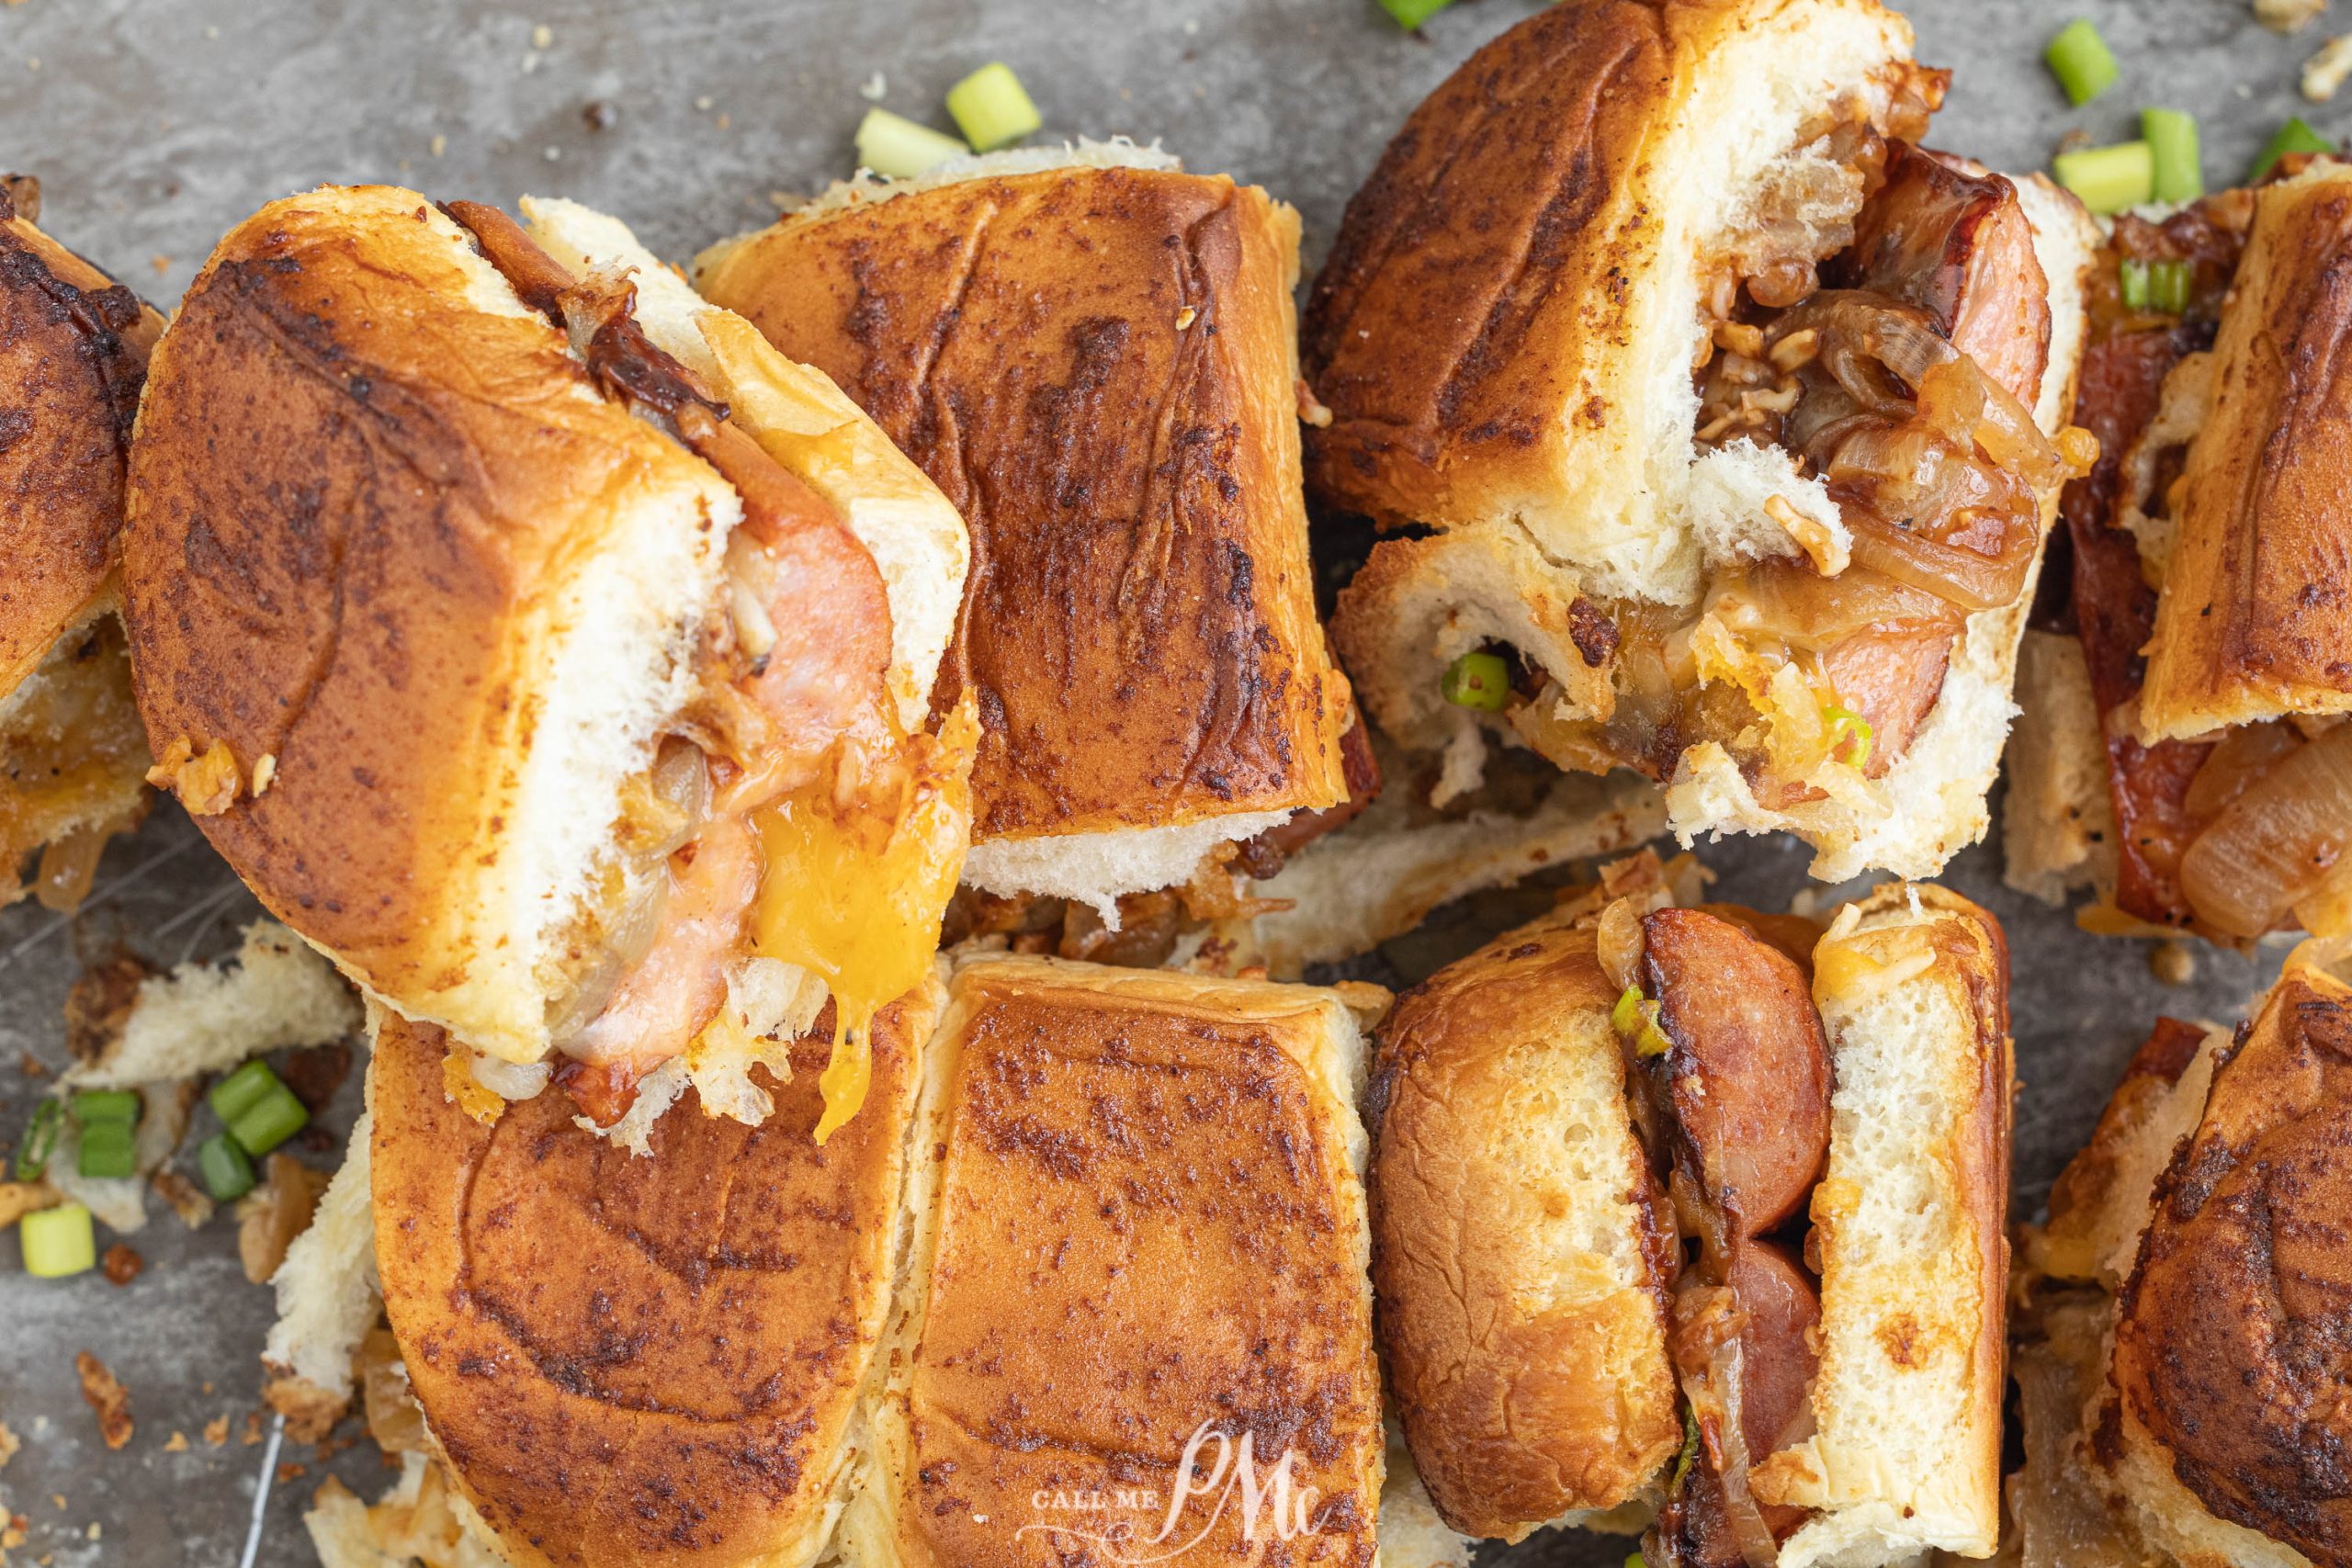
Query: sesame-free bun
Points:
[626, 1359]
[431, 595]
[1093, 355]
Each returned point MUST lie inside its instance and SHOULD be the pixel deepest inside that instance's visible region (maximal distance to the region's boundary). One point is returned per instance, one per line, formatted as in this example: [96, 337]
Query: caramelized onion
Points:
[1741, 1511]
[2277, 841]
[2237, 762]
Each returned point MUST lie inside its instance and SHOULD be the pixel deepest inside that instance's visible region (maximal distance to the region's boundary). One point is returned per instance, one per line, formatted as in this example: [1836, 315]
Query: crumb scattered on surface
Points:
[101, 1004]
[2324, 72]
[94, 1532]
[216, 1431]
[176, 1443]
[876, 89]
[291, 1471]
[105, 1395]
[121, 1265]
[2173, 963]
[253, 1429]
[19, 1199]
[2288, 16]
[600, 114]
[440, 144]
[190, 1202]
[32, 1067]
[543, 37]
[161, 262]
[9, 1445]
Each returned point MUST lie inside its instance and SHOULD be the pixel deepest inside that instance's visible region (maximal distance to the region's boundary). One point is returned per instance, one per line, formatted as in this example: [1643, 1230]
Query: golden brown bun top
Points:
[631, 1359]
[1096, 366]
[72, 348]
[364, 478]
[1530, 1372]
[2230, 1334]
[1147, 1220]
[2256, 618]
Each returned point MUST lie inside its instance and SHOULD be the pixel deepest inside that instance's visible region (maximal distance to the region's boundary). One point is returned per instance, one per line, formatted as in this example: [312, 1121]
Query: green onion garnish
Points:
[1478, 680]
[2081, 61]
[1845, 724]
[241, 1090]
[2172, 146]
[2168, 286]
[108, 1151]
[1690, 1454]
[1626, 1016]
[93, 1106]
[2292, 137]
[58, 1242]
[991, 109]
[228, 1174]
[897, 148]
[39, 1140]
[272, 1120]
[2131, 277]
[1413, 13]
[2109, 179]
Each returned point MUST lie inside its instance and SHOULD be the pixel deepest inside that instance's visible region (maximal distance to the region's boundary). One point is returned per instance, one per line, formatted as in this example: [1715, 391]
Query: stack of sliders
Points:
[1094, 354]
[1085, 1282]
[2192, 760]
[1691, 1213]
[547, 649]
[1739, 416]
[2181, 1316]
[73, 347]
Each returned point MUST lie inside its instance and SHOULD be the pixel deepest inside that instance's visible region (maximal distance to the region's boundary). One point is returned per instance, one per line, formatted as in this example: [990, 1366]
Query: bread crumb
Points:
[875, 88]
[121, 1265]
[57, 1499]
[702, 104]
[725, 121]
[2288, 16]
[9, 1445]
[2172, 962]
[188, 1201]
[440, 144]
[266, 770]
[2324, 72]
[291, 1471]
[543, 37]
[216, 1431]
[93, 1531]
[176, 1443]
[19, 1199]
[253, 1429]
[161, 262]
[205, 781]
[105, 1395]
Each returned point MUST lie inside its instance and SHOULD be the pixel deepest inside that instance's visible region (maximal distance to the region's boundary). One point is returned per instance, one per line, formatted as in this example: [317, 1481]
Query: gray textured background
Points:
[154, 126]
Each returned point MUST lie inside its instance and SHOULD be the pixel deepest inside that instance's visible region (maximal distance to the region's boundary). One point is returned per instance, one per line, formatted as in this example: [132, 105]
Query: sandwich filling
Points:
[787, 815]
[1869, 354]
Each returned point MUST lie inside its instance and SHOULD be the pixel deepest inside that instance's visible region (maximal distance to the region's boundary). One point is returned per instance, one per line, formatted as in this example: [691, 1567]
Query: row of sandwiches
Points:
[811, 760]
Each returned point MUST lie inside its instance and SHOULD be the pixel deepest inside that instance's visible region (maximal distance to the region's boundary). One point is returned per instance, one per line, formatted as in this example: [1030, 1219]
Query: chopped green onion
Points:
[1845, 724]
[241, 1090]
[2109, 179]
[2133, 278]
[58, 1242]
[1478, 680]
[108, 1152]
[1413, 13]
[897, 148]
[1690, 1454]
[39, 1140]
[1636, 1020]
[2292, 137]
[2172, 147]
[269, 1121]
[991, 109]
[93, 1106]
[2168, 286]
[1626, 1016]
[2081, 61]
[228, 1174]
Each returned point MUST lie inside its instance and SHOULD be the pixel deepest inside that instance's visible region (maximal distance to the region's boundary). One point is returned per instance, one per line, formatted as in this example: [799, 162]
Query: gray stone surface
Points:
[156, 125]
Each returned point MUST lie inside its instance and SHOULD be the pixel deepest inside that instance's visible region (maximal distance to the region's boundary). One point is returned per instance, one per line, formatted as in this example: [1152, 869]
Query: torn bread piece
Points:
[1746, 493]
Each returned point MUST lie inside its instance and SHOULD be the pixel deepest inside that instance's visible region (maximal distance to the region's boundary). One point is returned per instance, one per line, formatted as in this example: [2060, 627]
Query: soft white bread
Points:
[2057, 823]
[1910, 1222]
[1523, 1249]
[411, 599]
[1094, 354]
[2176, 1410]
[207, 1017]
[1419, 604]
[1137, 1228]
[327, 1301]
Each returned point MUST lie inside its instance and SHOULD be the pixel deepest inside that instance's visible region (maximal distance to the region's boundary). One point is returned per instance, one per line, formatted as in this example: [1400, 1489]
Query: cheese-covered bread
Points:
[1095, 360]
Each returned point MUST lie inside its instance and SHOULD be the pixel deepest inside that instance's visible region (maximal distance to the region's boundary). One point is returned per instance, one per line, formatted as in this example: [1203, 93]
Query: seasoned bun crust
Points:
[1096, 365]
[74, 346]
[1137, 1219]
[2256, 614]
[1504, 329]
[431, 590]
[2226, 1331]
[1520, 1250]
[631, 1361]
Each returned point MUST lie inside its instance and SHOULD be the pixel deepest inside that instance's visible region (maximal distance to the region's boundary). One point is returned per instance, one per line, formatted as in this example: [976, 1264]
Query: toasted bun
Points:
[629, 1360]
[1096, 363]
[1140, 1226]
[1522, 1252]
[2256, 612]
[1505, 329]
[1419, 604]
[1910, 1222]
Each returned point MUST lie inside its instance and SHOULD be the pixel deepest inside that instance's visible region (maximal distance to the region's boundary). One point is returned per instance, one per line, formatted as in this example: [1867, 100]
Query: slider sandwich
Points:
[1085, 1282]
[545, 647]
[1692, 1216]
[1738, 416]
[2201, 731]
[1094, 355]
[2179, 1354]
[74, 346]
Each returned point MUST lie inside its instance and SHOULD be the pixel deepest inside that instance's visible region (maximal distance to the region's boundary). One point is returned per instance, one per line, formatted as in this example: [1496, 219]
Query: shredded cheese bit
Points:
[1829, 553]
